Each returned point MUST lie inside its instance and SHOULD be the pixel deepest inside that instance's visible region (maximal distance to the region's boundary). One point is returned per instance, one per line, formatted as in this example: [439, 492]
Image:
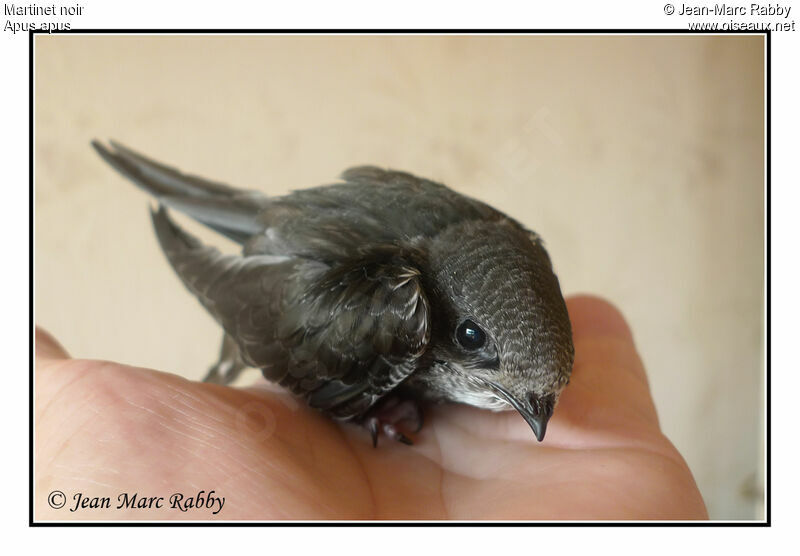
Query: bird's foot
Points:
[384, 418]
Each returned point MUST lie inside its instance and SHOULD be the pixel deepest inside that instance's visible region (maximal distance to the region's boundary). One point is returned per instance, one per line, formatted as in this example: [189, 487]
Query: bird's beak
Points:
[536, 412]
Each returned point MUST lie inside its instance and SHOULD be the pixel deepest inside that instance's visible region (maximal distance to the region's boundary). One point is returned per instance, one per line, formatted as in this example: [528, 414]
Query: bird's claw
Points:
[384, 419]
[391, 432]
[372, 427]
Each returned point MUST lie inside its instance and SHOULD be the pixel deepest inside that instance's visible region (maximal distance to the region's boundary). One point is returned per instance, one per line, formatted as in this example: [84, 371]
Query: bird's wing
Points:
[333, 222]
[230, 211]
[326, 223]
[341, 336]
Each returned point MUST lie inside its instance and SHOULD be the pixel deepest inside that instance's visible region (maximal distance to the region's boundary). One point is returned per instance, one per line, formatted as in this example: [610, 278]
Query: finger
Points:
[594, 316]
[47, 347]
[608, 387]
[598, 326]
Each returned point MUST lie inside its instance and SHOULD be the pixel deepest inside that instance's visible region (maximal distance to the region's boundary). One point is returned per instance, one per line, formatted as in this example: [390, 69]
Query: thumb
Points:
[608, 382]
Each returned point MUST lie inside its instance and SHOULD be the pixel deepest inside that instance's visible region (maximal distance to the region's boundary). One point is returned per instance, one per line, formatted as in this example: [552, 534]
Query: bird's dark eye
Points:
[470, 335]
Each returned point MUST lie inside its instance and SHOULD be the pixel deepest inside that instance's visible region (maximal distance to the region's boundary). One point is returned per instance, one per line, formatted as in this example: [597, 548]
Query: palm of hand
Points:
[104, 428]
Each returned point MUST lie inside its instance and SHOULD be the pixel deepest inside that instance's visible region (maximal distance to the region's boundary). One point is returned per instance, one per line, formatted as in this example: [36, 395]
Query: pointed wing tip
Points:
[161, 220]
[170, 235]
[113, 155]
[101, 149]
[123, 150]
[106, 147]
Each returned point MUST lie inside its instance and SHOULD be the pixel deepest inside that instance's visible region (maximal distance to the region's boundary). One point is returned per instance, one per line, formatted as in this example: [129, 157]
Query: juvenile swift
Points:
[370, 295]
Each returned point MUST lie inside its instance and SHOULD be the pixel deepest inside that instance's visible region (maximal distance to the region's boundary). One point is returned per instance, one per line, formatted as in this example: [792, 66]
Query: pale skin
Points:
[103, 428]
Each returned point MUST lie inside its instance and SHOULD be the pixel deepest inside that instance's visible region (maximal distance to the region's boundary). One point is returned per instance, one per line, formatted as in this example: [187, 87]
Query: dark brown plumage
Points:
[382, 287]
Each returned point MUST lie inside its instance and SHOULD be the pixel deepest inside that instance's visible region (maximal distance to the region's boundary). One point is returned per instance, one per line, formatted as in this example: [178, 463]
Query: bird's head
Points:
[502, 336]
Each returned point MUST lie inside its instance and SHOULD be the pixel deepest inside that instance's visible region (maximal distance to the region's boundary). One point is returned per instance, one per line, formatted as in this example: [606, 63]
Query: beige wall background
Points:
[638, 159]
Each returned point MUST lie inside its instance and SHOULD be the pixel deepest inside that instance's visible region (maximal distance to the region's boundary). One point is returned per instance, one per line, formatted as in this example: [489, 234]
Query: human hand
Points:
[102, 429]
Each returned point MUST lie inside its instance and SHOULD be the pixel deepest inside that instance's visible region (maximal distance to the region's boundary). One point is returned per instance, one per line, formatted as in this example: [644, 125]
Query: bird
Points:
[369, 297]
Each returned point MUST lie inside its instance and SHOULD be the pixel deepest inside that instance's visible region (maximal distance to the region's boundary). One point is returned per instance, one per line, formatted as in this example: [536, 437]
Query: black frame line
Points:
[415, 31]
